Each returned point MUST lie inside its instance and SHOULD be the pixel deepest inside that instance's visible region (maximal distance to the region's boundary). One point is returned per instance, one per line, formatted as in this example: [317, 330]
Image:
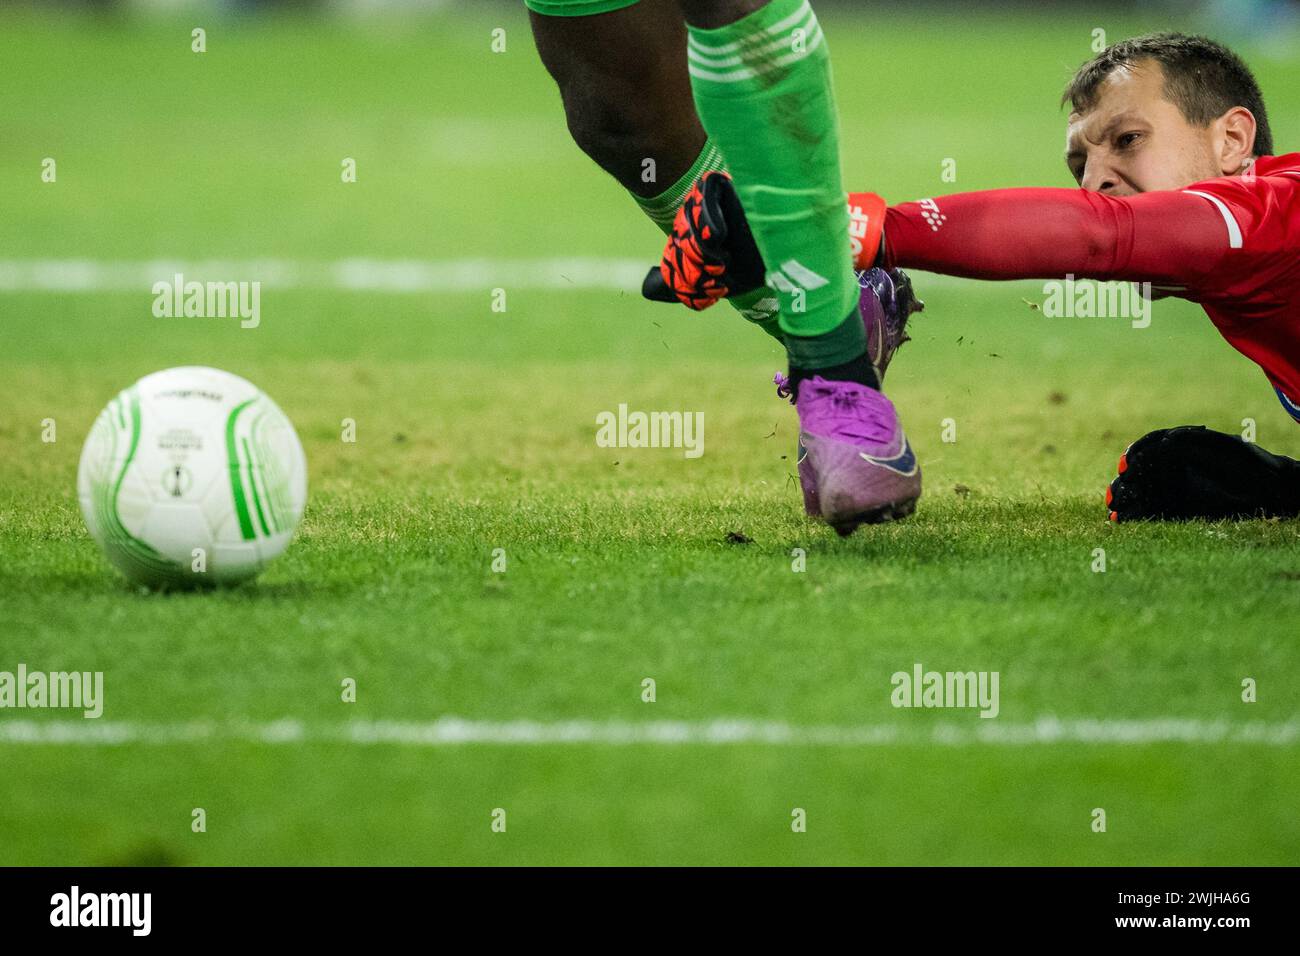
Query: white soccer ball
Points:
[192, 477]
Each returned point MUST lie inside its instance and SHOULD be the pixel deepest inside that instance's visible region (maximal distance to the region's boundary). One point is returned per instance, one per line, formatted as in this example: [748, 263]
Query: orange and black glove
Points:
[711, 253]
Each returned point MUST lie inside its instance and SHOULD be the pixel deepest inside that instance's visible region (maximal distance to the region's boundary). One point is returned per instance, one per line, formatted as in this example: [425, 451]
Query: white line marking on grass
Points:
[397, 276]
[401, 276]
[458, 731]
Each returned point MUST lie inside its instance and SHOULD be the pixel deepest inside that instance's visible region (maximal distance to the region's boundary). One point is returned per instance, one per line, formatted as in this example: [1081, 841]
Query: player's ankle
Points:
[858, 370]
[839, 355]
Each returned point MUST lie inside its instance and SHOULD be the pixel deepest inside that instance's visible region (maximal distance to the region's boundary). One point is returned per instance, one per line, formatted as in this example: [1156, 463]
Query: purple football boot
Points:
[855, 449]
[885, 302]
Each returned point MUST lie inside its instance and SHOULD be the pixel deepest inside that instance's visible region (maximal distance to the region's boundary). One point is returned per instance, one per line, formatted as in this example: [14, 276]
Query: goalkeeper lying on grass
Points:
[1169, 138]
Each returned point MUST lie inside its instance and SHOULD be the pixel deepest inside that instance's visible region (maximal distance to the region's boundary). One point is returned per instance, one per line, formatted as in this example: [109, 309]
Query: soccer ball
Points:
[192, 477]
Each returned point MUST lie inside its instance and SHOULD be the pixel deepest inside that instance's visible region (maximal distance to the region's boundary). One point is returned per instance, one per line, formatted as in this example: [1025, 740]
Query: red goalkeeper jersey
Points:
[1231, 244]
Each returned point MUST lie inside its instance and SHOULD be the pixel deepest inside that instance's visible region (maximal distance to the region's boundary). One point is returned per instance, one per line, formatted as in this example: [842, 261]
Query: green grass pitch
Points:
[476, 431]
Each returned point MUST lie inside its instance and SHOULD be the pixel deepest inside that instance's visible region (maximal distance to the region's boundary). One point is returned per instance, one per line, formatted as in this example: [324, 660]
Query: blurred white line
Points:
[347, 275]
[457, 731]
[398, 276]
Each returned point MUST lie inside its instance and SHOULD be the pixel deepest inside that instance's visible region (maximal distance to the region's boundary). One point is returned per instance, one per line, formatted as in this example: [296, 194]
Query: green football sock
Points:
[762, 87]
[759, 306]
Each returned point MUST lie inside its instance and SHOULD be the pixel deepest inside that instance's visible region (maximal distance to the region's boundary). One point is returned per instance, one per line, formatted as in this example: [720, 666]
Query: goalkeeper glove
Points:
[711, 253]
[1189, 472]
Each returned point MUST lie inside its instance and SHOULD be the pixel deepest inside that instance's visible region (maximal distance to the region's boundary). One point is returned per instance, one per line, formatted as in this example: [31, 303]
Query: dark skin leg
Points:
[626, 91]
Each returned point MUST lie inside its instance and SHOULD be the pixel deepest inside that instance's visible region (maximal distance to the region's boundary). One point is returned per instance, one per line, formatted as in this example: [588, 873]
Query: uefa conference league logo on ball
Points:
[192, 477]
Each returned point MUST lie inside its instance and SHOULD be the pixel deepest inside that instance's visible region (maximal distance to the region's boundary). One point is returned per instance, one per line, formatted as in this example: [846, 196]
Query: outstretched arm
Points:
[1167, 237]
[1178, 238]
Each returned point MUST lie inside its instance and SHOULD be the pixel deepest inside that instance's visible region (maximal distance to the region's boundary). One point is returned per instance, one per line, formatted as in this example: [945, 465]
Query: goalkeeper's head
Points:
[1162, 112]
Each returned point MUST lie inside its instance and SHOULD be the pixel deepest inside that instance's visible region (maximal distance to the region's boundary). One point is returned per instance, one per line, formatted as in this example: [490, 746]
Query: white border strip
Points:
[458, 731]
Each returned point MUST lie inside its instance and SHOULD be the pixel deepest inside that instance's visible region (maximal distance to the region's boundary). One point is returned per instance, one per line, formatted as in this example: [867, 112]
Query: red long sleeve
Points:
[1168, 237]
[1231, 243]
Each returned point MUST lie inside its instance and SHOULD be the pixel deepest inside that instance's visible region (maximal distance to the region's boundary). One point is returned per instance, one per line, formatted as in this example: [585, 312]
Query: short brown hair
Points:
[1203, 79]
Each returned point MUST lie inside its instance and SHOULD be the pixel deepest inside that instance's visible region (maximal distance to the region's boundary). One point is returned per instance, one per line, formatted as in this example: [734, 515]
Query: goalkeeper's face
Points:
[1134, 140]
